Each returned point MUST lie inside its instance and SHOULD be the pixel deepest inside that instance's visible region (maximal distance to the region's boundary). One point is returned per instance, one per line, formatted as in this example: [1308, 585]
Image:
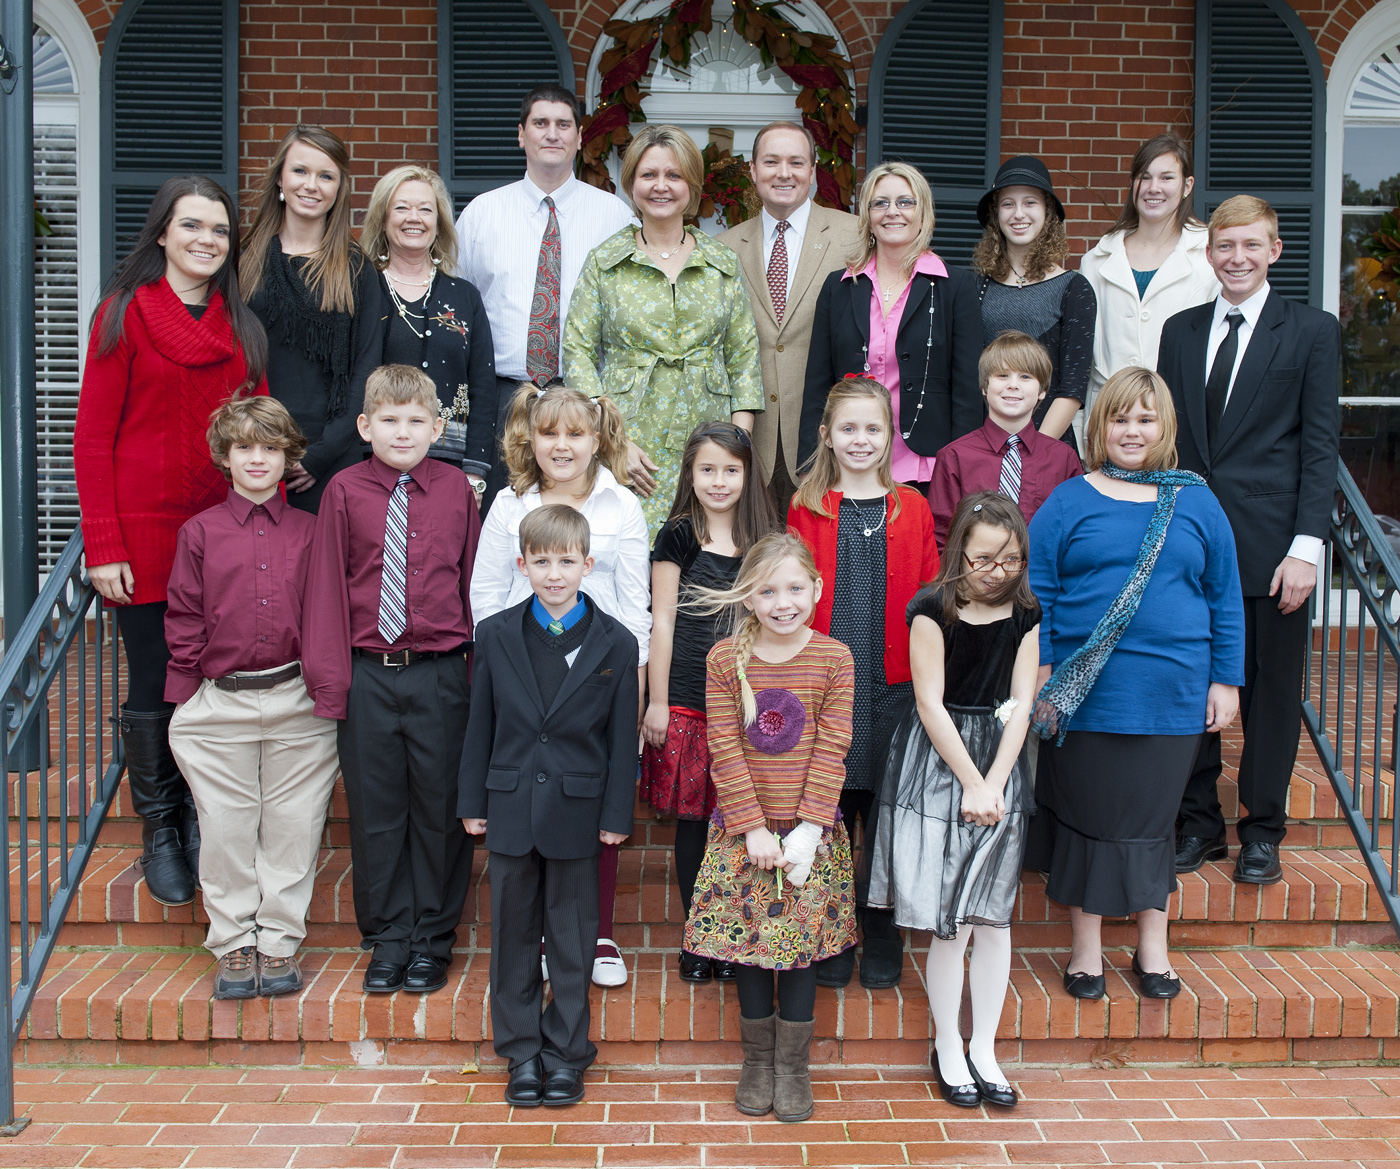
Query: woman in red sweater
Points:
[171, 342]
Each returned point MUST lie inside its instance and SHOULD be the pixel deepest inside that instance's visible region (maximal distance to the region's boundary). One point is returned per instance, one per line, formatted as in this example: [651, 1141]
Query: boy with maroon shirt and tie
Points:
[1006, 453]
[388, 632]
[259, 763]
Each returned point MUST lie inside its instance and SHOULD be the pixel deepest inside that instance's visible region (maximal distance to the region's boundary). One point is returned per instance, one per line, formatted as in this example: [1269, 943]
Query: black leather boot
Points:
[158, 794]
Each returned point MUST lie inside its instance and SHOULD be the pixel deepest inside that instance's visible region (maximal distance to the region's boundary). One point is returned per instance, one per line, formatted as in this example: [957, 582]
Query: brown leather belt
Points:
[410, 657]
[259, 681]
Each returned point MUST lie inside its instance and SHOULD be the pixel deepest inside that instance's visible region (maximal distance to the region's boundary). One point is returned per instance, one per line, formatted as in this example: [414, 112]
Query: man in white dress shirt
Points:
[532, 237]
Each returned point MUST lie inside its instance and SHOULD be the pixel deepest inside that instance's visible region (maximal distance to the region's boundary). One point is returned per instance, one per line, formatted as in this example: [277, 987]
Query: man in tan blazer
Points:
[786, 253]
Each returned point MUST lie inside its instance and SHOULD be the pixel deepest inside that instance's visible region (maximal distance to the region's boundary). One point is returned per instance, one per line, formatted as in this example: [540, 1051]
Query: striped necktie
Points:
[1010, 485]
[393, 599]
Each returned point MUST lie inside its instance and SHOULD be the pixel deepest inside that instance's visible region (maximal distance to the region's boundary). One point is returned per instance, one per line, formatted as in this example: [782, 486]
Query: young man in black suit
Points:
[1254, 381]
[549, 770]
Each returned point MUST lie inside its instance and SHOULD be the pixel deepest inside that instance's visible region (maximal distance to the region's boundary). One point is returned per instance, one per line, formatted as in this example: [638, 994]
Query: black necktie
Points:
[1218, 384]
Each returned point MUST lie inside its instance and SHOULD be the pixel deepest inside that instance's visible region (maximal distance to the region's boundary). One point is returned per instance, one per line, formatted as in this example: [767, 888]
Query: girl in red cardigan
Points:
[872, 539]
[171, 342]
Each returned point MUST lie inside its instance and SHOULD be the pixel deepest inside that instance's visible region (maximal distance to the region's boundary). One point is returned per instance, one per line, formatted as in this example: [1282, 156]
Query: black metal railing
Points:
[1349, 692]
[61, 761]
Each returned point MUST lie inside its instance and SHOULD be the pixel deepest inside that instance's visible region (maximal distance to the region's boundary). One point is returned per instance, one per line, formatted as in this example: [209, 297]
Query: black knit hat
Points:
[1025, 170]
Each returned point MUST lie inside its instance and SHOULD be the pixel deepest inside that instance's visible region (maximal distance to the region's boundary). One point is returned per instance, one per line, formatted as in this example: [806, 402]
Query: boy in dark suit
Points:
[549, 770]
[1254, 381]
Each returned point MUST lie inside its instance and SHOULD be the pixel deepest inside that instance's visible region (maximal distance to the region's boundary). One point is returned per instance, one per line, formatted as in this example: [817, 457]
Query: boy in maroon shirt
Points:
[259, 763]
[388, 632]
[1006, 453]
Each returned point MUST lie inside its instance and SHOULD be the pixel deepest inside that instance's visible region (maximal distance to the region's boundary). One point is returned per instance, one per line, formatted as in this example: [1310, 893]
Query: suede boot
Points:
[792, 1079]
[754, 1095]
[158, 793]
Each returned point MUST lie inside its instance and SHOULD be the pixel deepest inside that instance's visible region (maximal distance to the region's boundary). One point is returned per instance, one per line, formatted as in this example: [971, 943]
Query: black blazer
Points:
[952, 401]
[550, 780]
[1275, 465]
[457, 351]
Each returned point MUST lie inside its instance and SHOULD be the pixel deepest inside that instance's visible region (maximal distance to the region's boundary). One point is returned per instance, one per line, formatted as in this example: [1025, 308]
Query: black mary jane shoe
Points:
[694, 968]
[383, 977]
[526, 1087]
[958, 1095]
[725, 971]
[426, 974]
[1155, 986]
[1003, 1094]
[1085, 986]
[563, 1086]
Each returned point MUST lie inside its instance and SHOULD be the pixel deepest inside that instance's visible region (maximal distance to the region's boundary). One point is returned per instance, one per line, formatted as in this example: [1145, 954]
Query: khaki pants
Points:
[261, 767]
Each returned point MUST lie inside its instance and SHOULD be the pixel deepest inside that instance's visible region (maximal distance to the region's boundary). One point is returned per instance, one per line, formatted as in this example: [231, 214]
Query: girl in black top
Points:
[721, 511]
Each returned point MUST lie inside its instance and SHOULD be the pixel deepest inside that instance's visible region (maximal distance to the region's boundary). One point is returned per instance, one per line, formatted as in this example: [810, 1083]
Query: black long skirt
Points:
[1105, 823]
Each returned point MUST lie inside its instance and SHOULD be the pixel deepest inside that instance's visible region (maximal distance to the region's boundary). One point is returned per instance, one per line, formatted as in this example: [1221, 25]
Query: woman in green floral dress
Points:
[660, 320]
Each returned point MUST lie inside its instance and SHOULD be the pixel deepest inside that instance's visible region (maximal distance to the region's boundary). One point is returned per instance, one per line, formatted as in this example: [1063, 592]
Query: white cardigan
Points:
[620, 583]
[1129, 330]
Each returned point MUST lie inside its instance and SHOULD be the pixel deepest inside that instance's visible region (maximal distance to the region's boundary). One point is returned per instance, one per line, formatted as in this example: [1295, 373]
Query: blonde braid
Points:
[744, 637]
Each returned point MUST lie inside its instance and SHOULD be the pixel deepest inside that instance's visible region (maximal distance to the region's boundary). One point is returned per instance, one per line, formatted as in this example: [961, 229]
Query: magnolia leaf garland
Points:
[809, 58]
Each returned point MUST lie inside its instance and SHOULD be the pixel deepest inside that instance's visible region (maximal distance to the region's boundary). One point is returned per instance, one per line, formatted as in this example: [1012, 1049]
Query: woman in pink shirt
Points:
[898, 314]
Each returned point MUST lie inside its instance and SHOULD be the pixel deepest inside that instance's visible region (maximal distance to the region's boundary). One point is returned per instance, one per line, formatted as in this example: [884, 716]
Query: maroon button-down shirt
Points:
[973, 463]
[347, 564]
[236, 588]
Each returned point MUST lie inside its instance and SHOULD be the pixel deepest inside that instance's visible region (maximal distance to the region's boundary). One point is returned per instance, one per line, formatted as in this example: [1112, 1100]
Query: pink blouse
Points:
[882, 360]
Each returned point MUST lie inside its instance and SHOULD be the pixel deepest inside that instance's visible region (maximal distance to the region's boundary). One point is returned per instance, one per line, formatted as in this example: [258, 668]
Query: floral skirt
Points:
[676, 778]
[736, 916]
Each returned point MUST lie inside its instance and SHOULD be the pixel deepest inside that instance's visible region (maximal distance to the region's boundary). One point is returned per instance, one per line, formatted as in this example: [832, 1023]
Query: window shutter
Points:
[169, 107]
[1260, 112]
[935, 101]
[491, 53]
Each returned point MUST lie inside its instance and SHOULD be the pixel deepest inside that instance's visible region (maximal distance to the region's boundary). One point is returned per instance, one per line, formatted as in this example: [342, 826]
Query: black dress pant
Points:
[400, 751]
[533, 896]
[1271, 713]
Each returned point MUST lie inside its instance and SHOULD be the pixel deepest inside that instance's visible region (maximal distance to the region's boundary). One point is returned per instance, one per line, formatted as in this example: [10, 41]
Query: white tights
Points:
[989, 969]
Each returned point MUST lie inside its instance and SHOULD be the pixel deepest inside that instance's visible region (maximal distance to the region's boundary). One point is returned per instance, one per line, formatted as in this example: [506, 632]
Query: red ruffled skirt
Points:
[676, 777]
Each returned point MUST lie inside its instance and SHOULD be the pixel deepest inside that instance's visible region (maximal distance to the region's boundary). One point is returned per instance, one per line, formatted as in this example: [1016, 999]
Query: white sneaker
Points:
[609, 969]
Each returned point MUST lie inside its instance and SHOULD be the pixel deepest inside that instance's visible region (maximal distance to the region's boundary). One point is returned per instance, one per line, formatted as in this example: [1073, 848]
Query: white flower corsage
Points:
[1005, 710]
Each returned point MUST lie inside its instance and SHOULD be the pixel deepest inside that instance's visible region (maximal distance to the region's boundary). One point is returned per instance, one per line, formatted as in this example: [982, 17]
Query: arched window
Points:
[491, 53]
[935, 101]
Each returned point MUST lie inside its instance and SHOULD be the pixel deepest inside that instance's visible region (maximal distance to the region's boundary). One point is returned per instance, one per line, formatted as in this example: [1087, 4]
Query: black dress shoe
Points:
[383, 977]
[526, 1087]
[1258, 864]
[1085, 986]
[425, 973]
[959, 1095]
[694, 968]
[1155, 986]
[1003, 1094]
[1193, 851]
[725, 971]
[836, 971]
[881, 963]
[563, 1086]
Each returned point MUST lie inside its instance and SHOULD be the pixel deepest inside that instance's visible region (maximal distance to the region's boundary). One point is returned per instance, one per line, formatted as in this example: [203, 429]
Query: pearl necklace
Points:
[408, 315]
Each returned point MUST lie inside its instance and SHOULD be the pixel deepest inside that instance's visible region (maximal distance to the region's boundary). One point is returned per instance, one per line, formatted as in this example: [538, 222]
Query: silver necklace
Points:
[860, 519]
[663, 255]
[408, 315]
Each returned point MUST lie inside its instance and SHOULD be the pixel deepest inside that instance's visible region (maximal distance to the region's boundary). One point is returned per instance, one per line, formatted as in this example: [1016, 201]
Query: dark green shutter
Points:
[491, 53]
[1260, 112]
[935, 101]
[169, 107]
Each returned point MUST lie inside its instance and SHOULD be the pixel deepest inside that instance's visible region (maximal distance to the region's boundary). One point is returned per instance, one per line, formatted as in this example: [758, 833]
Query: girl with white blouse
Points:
[563, 447]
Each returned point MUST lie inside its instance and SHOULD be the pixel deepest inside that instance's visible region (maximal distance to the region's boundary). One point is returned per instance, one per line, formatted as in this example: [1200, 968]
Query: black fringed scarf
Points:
[327, 338]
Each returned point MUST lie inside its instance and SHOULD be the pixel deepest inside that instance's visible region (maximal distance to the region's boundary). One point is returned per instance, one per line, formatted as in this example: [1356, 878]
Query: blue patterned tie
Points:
[1010, 485]
[393, 600]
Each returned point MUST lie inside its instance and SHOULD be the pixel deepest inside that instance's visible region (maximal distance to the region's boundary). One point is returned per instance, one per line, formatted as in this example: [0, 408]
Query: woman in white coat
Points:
[1151, 264]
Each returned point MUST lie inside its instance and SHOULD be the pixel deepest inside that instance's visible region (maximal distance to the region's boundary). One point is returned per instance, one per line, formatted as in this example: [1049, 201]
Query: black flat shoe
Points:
[959, 1095]
[425, 973]
[1085, 986]
[836, 971]
[1155, 986]
[526, 1087]
[1003, 1094]
[725, 971]
[695, 968]
[563, 1086]
[383, 977]
[1193, 851]
[1258, 864]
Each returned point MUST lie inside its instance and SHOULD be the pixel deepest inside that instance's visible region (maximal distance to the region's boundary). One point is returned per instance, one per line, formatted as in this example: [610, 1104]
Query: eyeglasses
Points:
[986, 564]
[904, 203]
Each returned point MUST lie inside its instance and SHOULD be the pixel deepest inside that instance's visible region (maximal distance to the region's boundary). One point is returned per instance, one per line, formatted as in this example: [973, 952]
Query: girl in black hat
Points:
[1025, 287]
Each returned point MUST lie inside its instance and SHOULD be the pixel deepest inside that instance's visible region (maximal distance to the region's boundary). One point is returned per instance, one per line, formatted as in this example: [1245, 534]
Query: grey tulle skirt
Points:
[932, 868]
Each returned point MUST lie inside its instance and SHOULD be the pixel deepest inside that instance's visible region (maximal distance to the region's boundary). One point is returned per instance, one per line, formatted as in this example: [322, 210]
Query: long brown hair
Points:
[1148, 153]
[145, 264]
[330, 273]
[952, 584]
[754, 517]
[535, 409]
[823, 471]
